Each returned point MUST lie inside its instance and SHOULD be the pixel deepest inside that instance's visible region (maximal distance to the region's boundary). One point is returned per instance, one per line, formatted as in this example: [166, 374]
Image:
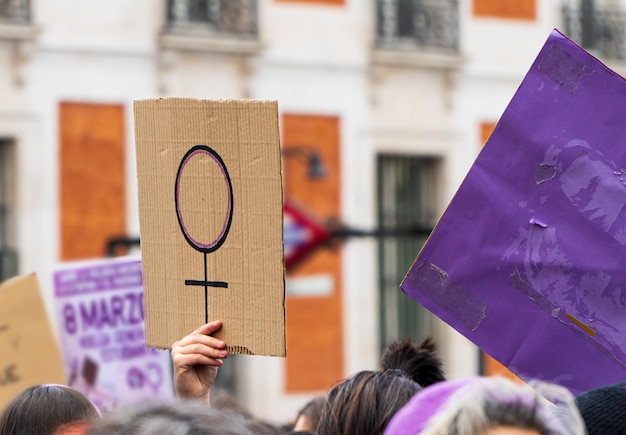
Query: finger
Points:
[202, 339]
[191, 360]
[208, 328]
[200, 349]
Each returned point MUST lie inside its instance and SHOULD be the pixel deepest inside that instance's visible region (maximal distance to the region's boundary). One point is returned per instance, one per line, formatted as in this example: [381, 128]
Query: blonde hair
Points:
[493, 402]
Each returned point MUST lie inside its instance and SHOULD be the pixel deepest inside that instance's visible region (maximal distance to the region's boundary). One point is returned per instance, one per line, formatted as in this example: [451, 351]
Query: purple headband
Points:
[414, 416]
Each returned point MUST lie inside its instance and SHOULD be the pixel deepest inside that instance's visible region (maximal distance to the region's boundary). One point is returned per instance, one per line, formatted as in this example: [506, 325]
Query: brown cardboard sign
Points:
[28, 350]
[211, 221]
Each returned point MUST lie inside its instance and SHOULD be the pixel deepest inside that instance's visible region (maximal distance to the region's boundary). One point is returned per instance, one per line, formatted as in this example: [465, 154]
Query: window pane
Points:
[406, 199]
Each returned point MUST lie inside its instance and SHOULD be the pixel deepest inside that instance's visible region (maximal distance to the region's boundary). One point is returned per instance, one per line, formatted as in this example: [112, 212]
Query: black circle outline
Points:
[220, 242]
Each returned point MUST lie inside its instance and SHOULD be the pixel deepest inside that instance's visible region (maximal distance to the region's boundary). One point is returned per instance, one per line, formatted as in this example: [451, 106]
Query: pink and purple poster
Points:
[528, 261]
[101, 334]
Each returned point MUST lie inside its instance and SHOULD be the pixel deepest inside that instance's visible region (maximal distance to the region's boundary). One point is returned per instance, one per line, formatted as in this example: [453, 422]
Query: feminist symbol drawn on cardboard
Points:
[208, 155]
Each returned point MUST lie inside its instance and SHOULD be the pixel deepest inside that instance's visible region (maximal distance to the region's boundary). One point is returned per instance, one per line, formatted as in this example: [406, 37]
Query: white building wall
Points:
[314, 61]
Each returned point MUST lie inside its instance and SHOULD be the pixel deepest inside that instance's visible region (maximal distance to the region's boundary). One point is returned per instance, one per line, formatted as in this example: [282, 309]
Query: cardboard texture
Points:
[28, 350]
[211, 221]
[528, 259]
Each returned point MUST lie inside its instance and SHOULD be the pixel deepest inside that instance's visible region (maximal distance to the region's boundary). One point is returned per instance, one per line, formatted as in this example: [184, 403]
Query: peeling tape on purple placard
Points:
[544, 303]
[563, 68]
[580, 324]
[544, 173]
[434, 283]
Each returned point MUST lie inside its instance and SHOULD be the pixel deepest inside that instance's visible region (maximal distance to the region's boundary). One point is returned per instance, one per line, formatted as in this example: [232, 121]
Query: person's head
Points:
[603, 409]
[225, 401]
[179, 418]
[366, 402]
[489, 406]
[309, 416]
[260, 427]
[46, 410]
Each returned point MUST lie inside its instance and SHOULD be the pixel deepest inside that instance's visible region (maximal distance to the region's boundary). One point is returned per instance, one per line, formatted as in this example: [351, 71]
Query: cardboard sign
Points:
[528, 259]
[28, 351]
[101, 333]
[211, 221]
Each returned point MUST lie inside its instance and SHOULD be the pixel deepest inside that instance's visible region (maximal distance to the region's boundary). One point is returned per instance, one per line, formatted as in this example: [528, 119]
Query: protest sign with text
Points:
[101, 331]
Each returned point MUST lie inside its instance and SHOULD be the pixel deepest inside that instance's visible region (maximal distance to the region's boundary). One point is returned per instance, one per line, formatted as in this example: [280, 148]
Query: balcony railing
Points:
[423, 24]
[599, 30]
[233, 18]
[15, 11]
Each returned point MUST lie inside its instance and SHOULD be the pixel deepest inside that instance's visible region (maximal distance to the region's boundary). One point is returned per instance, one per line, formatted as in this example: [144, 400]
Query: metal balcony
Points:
[602, 31]
[15, 11]
[231, 18]
[418, 24]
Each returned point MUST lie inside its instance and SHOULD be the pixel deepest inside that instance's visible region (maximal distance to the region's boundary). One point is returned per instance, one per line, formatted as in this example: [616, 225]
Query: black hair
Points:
[419, 361]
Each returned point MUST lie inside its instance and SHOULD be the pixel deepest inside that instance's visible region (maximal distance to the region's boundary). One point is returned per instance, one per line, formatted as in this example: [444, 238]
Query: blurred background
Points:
[383, 106]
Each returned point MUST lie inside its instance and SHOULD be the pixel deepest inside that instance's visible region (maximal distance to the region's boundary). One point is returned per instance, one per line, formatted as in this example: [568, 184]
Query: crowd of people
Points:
[407, 394]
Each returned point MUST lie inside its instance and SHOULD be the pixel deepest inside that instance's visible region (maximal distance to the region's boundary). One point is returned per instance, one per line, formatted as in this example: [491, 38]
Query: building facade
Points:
[391, 99]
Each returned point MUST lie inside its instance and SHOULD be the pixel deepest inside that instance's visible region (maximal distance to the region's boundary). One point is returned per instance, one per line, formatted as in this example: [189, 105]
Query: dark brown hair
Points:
[419, 361]
[366, 402]
[41, 409]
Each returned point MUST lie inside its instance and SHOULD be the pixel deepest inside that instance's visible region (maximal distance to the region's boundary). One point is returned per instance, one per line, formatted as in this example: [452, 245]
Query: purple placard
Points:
[528, 259]
[98, 278]
[101, 334]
